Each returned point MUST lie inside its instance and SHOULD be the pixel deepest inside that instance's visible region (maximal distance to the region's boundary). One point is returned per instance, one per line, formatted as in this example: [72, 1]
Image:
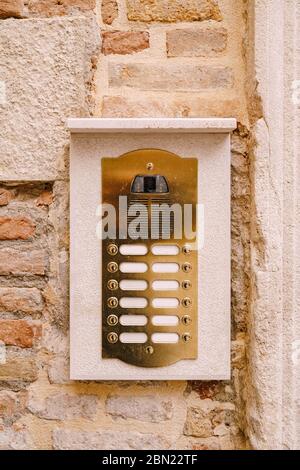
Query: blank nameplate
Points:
[165, 285]
[133, 320]
[133, 302]
[165, 268]
[133, 338]
[165, 338]
[165, 320]
[165, 250]
[165, 303]
[133, 250]
[133, 285]
[133, 267]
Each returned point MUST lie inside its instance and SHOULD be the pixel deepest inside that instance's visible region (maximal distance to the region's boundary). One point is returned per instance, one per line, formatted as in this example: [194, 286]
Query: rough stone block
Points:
[11, 439]
[19, 366]
[19, 332]
[16, 228]
[21, 262]
[11, 9]
[18, 299]
[5, 197]
[144, 408]
[169, 106]
[46, 66]
[64, 439]
[63, 406]
[46, 8]
[173, 10]
[206, 42]
[12, 404]
[173, 77]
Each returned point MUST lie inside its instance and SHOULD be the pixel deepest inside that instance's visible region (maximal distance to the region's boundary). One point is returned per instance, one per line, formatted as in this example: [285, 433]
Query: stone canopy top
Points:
[168, 125]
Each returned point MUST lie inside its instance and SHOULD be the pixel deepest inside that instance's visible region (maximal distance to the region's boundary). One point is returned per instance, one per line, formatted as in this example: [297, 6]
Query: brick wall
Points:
[158, 58]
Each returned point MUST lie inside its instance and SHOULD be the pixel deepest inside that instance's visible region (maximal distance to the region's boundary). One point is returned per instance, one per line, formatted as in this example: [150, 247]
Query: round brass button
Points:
[187, 302]
[112, 249]
[112, 284]
[187, 267]
[112, 267]
[186, 285]
[112, 320]
[112, 302]
[149, 350]
[112, 338]
[186, 249]
[186, 337]
[186, 320]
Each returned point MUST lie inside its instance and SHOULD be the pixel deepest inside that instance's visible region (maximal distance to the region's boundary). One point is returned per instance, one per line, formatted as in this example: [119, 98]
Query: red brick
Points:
[205, 42]
[19, 365]
[109, 11]
[47, 8]
[11, 8]
[19, 332]
[12, 404]
[124, 42]
[45, 199]
[5, 197]
[21, 299]
[19, 262]
[16, 228]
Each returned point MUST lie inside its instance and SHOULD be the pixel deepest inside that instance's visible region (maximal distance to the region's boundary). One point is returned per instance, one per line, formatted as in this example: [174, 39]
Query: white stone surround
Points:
[196, 138]
[273, 398]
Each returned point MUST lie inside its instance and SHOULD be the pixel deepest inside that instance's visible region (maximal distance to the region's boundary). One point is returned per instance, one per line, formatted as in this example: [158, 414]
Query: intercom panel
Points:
[150, 258]
[150, 249]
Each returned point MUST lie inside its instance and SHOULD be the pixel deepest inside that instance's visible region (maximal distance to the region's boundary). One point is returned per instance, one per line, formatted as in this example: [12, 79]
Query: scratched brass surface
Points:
[117, 176]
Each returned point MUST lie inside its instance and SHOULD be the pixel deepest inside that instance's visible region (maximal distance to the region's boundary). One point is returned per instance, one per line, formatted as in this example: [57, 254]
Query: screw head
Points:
[112, 338]
[187, 267]
[112, 249]
[112, 302]
[186, 285]
[112, 267]
[112, 284]
[149, 350]
[186, 337]
[112, 320]
[149, 166]
[186, 320]
[187, 302]
[186, 249]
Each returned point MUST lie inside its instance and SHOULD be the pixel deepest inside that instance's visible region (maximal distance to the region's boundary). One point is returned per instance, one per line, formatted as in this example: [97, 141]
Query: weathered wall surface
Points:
[120, 58]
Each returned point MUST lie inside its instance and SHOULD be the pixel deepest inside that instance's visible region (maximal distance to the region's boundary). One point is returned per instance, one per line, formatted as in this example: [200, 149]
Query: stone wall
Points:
[125, 58]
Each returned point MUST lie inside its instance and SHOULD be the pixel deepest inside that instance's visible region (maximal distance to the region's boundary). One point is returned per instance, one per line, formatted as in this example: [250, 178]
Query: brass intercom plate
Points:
[176, 182]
